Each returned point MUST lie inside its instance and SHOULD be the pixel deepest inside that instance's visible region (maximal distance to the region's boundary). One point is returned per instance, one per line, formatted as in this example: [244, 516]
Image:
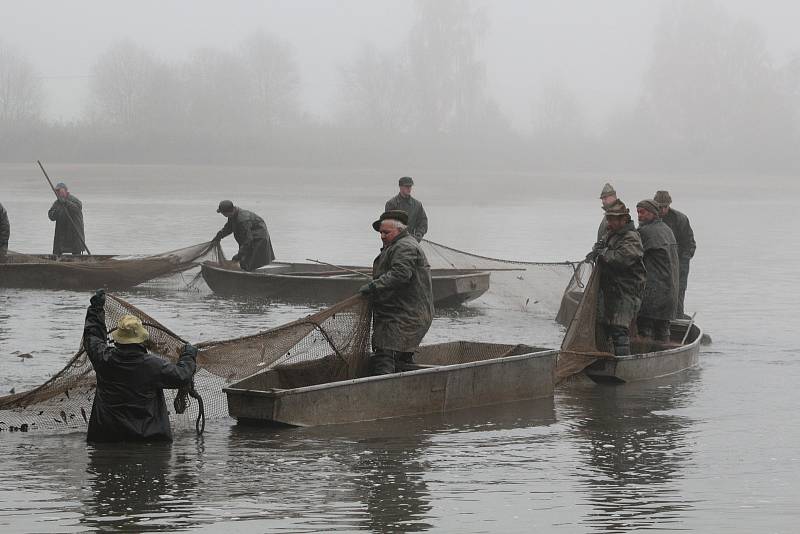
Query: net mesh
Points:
[91, 272]
[531, 287]
[326, 346]
[582, 345]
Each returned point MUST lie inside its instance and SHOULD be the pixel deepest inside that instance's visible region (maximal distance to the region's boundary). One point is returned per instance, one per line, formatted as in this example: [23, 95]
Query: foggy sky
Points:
[597, 49]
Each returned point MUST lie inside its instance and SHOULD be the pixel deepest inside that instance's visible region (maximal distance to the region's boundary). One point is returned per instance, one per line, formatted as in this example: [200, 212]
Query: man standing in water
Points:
[622, 276]
[5, 232]
[401, 293]
[129, 400]
[660, 298]
[67, 212]
[417, 219]
[679, 224]
[250, 232]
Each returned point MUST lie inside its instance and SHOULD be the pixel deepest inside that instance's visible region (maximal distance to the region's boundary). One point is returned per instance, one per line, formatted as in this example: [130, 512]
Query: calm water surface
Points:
[716, 449]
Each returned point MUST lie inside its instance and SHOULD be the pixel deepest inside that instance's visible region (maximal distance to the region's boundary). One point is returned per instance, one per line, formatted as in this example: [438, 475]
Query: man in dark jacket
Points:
[660, 300]
[622, 276]
[401, 293]
[67, 212]
[250, 232]
[129, 400]
[679, 224]
[608, 196]
[5, 232]
[417, 219]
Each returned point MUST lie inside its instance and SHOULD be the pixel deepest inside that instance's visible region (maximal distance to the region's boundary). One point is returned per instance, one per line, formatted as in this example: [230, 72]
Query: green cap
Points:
[406, 181]
[663, 198]
[608, 190]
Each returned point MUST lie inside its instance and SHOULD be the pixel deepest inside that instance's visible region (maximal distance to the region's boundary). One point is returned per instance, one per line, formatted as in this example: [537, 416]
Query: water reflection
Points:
[635, 452]
[132, 487]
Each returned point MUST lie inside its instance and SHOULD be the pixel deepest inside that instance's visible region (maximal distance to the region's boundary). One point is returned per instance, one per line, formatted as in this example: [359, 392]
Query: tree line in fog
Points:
[712, 98]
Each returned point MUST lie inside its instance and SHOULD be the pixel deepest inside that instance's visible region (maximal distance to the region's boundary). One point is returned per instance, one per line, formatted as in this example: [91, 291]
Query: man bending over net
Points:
[129, 401]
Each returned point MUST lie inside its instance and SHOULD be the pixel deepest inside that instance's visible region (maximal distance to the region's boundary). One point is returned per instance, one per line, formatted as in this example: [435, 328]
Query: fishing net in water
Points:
[583, 343]
[533, 287]
[110, 272]
[326, 346]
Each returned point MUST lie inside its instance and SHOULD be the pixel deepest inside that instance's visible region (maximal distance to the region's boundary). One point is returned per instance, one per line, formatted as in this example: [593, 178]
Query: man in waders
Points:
[679, 224]
[250, 232]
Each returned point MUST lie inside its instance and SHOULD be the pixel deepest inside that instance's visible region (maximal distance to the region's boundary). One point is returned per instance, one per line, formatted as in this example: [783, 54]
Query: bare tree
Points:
[375, 92]
[273, 78]
[20, 88]
[129, 86]
[447, 77]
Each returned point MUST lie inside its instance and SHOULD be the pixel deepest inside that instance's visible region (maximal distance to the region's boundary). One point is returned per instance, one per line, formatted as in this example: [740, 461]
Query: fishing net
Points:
[582, 343]
[327, 346]
[532, 287]
[110, 272]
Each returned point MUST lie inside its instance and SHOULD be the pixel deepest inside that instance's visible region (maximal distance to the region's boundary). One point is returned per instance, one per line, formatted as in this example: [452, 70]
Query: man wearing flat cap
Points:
[401, 294]
[250, 232]
[608, 196]
[417, 219]
[622, 277]
[679, 224]
[660, 299]
[129, 400]
[67, 213]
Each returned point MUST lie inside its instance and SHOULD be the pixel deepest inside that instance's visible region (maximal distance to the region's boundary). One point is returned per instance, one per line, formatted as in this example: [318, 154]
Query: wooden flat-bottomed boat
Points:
[308, 282]
[652, 360]
[444, 377]
[79, 273]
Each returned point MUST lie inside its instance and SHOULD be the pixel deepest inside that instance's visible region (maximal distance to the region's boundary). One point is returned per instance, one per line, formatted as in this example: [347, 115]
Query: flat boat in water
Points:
[652, 360]
[443, 377]
[308, 282]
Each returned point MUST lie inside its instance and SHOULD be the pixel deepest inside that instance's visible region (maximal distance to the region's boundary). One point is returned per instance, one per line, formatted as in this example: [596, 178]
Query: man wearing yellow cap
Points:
[129, 400]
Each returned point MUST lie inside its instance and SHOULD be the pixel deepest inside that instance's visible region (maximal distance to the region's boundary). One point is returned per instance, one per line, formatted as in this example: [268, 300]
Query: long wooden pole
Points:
[688, 329]
[365, 275]
[66, 209]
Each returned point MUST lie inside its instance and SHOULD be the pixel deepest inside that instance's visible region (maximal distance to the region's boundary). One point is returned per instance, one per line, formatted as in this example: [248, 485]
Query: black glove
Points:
[236, 257]
[98, 300]
[217, 238]
[191, 350]
[366, 289]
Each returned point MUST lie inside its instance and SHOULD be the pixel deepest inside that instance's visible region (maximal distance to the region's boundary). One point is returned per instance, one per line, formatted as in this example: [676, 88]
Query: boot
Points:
[622, 346]
[662, 331]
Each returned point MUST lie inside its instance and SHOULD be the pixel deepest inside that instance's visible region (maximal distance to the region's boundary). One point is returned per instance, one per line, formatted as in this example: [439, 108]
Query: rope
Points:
[541, 263]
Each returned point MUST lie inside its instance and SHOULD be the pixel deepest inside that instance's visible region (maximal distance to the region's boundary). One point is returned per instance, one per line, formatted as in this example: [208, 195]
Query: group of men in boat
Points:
[643, 271]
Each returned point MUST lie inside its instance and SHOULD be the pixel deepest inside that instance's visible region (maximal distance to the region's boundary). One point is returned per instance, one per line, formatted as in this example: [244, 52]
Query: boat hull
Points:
[77, 273]
[313, 283]
[650, 365]
[434, 389]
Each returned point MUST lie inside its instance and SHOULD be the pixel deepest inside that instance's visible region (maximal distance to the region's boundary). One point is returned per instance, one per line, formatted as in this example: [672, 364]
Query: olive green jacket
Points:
[660, 299]
[402, 295]
[68, 237]
[417, 218]
[622, 277]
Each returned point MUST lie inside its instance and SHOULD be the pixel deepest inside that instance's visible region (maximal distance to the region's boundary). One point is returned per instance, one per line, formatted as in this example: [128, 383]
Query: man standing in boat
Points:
[250, 232]
[401, 294]
[417, 219]
[660, 299]
[622, 276]
[679, 224]
[5, 232]
[67, 213]
[608, 196]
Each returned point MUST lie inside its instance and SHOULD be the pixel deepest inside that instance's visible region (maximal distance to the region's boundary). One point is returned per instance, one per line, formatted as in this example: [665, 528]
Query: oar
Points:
[365, 275]
[66, 210]
[688, 329]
